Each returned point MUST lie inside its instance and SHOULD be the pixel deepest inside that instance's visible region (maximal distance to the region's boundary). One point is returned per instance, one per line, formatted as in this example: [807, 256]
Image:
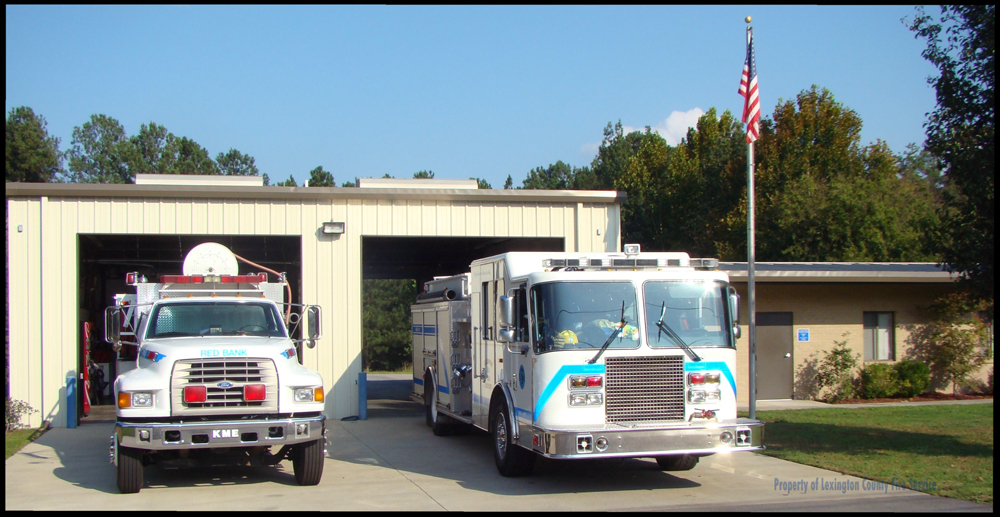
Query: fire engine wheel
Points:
[438, 423]
[307, 463]
[512, 460]
[677, 462]
[129, 470]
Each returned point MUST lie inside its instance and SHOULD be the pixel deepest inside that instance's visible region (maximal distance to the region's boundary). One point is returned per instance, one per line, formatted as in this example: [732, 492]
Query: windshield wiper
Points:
[620, 328]
[673, 335]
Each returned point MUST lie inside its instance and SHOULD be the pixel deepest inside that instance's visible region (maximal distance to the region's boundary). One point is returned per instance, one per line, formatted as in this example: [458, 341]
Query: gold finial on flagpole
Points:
[747, 19]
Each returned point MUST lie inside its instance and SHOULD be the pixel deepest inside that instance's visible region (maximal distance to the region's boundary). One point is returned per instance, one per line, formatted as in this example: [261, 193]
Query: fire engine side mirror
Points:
[734, 304]
[506, 316]
[508, 331]
[314, 318]
[113, 327]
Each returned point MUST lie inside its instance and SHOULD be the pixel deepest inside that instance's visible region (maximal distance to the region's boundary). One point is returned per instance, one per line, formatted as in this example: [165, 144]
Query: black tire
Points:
[307, 463]
[439, 424]
[129, 470]
[512, 460]
[677, 462]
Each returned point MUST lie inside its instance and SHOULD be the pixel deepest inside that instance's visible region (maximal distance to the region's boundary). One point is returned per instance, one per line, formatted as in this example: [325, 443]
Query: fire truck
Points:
[584, 355]
[216, 378]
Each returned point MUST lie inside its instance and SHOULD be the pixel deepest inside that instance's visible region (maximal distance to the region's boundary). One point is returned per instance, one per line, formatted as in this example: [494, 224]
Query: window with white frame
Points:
[880, 339]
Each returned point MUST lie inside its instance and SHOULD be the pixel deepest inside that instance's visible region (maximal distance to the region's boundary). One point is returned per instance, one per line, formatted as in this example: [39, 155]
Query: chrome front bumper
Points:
[615, 441]
[235, 433]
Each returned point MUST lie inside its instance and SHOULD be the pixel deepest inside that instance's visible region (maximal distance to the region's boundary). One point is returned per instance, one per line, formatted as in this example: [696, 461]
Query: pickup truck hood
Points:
[215, 347]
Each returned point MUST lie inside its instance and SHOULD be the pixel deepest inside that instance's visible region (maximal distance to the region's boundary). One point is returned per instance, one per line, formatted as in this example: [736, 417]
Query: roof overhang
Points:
[911, 272]
[103, 190]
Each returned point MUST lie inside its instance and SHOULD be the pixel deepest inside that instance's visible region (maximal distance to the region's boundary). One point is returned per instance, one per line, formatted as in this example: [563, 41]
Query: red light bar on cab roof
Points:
[221, 279]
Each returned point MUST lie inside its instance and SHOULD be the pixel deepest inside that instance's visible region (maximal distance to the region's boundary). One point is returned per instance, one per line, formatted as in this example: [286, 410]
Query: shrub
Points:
[878, 380]
[15, 410]
[956, 343]
[836, 371]
[913, 378]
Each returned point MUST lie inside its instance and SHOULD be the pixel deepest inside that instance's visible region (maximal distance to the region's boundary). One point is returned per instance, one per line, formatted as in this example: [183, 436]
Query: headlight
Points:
[309, 394]
[136, 399]
[696, 396]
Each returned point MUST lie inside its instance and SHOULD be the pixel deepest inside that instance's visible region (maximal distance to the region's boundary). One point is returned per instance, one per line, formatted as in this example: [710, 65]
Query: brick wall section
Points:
[829, 310]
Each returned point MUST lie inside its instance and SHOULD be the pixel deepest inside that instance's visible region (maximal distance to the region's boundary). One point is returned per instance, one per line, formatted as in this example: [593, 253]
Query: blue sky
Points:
[477, 91]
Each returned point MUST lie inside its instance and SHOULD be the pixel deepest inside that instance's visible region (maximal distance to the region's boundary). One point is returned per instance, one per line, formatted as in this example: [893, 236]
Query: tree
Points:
[634, 163]
[960, 133]
[32, 155]
[957, 341]
[321, 178]
[235, 163]
[152, 150]
[482, 184]
[824, 197]
[192, 158]
[386, 341]
[101, 152]
[701, 199]
[509, 184]
[290, 182]
[351, 184]
[423, 175]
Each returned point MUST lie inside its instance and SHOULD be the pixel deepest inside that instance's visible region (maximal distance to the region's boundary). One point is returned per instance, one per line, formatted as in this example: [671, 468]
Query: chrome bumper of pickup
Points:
[235, 433]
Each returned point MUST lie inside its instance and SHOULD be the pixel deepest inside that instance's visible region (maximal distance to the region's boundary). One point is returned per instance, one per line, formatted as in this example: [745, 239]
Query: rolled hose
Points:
[288, 311]
[436, 296]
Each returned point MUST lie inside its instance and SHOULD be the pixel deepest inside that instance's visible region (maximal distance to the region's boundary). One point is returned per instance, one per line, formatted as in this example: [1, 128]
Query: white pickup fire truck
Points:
[584, 355]
[217, 379]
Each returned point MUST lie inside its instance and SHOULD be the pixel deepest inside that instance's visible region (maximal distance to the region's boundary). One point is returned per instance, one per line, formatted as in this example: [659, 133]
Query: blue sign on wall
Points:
[803, 334]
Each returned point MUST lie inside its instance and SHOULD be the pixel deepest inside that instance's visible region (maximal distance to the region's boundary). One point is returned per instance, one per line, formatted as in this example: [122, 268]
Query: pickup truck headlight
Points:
[135, 399]
[309, 394]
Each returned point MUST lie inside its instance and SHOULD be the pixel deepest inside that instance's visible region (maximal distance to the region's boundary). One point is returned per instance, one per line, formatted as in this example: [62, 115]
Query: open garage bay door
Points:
[423, 258]
[104, 259]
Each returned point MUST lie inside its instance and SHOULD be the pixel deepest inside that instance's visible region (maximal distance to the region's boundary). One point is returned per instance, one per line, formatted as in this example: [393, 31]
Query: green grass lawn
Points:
[16, 440]
[950, 446]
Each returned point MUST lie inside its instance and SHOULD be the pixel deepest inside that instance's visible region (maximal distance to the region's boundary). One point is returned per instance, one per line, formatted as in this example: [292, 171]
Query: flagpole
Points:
[751, 287]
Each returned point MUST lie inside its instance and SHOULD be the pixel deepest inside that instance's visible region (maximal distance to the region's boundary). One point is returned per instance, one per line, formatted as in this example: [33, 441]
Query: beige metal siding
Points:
[45, 330]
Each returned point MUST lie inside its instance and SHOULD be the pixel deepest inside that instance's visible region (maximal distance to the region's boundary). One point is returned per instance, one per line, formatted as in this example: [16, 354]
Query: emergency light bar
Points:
[631, 262]
[214, 279]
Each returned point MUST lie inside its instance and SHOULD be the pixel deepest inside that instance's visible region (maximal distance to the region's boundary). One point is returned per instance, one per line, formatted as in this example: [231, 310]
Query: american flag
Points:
[748, 89]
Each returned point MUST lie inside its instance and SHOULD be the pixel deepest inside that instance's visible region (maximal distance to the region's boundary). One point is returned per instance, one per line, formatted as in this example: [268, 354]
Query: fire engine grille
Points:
[639, 389]
[224, 380]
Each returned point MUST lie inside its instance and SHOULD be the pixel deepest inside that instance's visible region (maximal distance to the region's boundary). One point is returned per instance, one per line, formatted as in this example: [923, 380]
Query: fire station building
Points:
[69, 247]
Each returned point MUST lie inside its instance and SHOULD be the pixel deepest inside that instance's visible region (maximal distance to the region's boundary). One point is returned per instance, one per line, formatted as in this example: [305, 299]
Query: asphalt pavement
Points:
[392, 461]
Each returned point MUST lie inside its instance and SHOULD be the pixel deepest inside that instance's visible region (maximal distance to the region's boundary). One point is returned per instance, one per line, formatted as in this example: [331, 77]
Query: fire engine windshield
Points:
[583, 315]
[215, 319]
[695, 312]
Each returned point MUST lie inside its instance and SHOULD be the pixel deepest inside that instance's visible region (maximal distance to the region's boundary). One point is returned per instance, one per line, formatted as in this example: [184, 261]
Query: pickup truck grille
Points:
[643, 389]
[223, 399]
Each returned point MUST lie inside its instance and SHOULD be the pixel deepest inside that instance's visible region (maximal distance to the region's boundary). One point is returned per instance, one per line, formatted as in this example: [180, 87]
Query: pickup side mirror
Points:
[113, 327]
[314, 321]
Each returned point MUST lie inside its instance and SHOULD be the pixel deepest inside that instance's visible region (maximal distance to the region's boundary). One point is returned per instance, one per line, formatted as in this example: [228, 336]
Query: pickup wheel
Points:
[129, 470]
[677, 462]
[512, 460]
[307, 462]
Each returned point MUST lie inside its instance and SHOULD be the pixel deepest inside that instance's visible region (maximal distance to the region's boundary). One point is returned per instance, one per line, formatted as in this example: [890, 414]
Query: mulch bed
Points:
[926, 397]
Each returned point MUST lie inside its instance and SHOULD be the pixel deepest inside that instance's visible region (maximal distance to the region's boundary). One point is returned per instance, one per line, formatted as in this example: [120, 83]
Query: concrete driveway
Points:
[393, 462]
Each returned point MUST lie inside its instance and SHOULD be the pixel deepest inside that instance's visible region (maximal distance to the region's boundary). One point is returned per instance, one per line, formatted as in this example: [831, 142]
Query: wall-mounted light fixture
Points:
[333, 228]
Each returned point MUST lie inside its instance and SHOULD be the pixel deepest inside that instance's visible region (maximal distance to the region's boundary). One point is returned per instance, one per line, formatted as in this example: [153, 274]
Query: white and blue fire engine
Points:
[584, 355]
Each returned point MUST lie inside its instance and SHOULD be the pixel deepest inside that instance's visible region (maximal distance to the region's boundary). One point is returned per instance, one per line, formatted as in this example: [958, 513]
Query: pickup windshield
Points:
[215, 319]
[583, 315]
[694, 311]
